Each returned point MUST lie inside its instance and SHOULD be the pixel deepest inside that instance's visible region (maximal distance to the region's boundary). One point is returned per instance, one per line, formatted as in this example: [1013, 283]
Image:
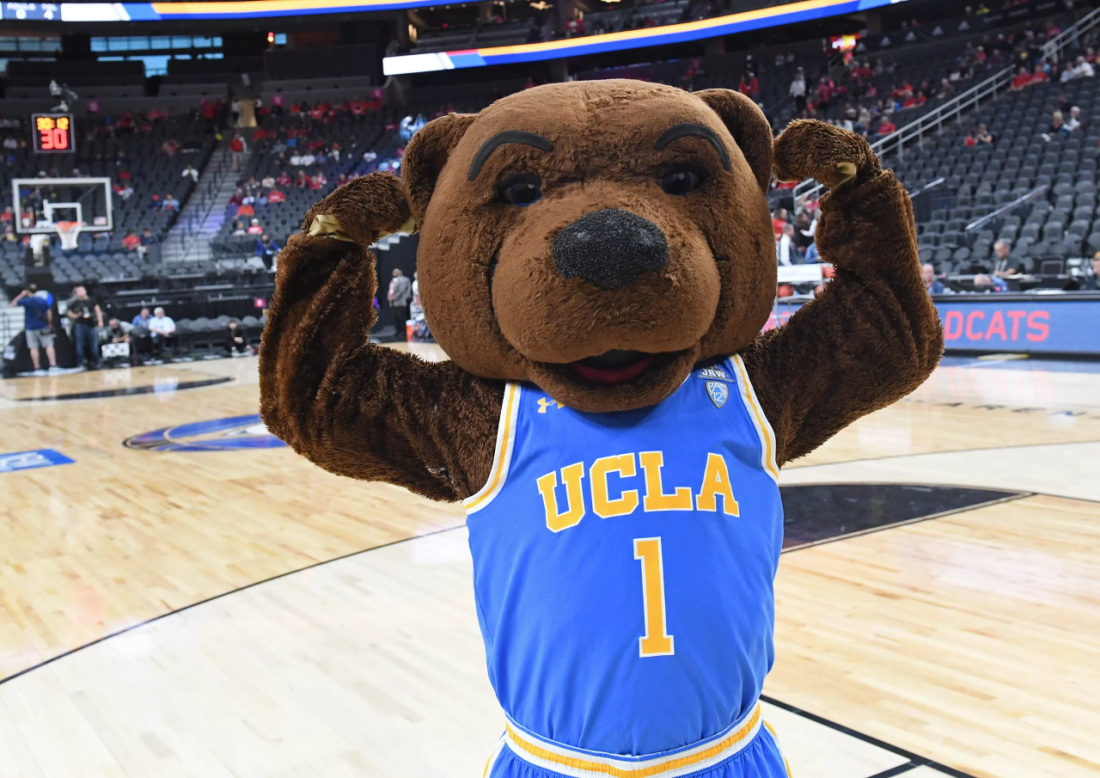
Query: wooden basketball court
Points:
[181, 596]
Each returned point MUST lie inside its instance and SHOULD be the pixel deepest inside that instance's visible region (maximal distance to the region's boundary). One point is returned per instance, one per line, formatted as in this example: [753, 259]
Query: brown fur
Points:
[502, 311]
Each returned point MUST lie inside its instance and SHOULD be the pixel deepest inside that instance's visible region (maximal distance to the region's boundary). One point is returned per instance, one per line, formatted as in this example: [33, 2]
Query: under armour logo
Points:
[544, 404]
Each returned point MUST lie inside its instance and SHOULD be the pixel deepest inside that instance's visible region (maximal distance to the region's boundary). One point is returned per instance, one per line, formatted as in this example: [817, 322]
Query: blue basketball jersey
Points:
[624, 562]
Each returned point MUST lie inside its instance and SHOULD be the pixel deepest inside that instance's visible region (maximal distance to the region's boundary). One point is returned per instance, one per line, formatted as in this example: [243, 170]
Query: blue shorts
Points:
[748, 750]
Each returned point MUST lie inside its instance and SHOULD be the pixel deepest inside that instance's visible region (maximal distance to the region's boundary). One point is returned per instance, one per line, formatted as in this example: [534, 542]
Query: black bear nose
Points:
[609, 248]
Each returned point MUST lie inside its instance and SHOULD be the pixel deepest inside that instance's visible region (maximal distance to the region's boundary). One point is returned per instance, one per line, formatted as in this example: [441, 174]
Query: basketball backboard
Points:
[51, 200]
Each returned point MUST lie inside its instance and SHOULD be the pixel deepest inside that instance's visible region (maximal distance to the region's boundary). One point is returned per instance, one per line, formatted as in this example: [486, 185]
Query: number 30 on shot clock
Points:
[53, 133]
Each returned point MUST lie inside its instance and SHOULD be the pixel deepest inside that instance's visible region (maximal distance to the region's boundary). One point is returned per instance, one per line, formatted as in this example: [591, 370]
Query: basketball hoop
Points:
[69, 232]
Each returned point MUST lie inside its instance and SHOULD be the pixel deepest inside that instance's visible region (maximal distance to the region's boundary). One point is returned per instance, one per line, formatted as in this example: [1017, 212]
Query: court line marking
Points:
[132, 627]
[916, 760]
[940, 453]
[128, 391]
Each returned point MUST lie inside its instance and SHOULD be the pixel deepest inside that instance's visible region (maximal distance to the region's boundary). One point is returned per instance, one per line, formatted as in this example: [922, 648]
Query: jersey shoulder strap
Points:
[502, 457]
[756, 416]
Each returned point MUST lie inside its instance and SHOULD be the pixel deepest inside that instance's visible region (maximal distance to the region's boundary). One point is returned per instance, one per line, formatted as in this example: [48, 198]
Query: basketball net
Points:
[69, 232]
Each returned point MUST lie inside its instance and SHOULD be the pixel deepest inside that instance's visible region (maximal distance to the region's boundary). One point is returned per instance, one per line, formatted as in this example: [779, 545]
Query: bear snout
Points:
[609, 248]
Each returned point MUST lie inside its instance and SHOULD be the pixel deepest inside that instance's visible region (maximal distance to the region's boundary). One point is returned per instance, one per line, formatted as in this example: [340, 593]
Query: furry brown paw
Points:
[813, 149]
[361, 211]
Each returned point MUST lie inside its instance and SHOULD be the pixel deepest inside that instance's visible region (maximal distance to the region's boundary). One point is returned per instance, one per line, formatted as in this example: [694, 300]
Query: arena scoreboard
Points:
[53, 133]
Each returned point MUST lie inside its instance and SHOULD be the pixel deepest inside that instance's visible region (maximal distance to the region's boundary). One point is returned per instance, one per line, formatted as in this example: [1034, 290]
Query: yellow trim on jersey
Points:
[759, 419]
[494, 757]
[563, 759]
[775, 737]
[506, 436]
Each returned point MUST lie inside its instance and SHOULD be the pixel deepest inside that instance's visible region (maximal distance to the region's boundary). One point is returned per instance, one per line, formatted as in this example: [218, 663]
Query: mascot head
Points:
[595, 238]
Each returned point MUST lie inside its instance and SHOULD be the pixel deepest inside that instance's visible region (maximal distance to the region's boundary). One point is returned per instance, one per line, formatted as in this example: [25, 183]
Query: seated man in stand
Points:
[163, 330]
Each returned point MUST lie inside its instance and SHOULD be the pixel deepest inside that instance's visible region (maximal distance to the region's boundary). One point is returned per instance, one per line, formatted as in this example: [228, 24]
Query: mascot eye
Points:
[521, 190]
[680, 182]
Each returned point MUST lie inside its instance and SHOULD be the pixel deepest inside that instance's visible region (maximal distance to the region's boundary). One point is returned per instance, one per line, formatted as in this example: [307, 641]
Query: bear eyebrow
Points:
[687, 129]
[508, 136]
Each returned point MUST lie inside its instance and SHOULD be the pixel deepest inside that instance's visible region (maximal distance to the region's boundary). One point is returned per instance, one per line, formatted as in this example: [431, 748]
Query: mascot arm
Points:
[354, 408]
[873, 335]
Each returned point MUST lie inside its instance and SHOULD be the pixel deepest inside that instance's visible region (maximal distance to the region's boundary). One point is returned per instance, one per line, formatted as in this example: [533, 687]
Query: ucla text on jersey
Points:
[623, 571]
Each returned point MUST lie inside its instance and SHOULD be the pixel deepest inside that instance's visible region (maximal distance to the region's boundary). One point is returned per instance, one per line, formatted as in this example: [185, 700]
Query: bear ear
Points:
[426, 155]
[746, 123]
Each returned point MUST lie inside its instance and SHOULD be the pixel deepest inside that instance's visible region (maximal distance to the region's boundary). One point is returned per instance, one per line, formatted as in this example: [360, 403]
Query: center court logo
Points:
[233, 433]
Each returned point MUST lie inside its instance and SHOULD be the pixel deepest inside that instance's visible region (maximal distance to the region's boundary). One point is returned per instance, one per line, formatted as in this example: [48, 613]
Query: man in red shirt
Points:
[886, 127]
[283, 179]
[131, 241]
[275, 196]
[236, 151]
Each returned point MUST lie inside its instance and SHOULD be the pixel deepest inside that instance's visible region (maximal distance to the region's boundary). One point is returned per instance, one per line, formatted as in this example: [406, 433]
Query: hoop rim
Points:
[64, 228]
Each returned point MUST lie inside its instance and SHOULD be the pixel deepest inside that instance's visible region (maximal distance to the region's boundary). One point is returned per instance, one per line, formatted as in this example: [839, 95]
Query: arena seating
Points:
[1059, 223]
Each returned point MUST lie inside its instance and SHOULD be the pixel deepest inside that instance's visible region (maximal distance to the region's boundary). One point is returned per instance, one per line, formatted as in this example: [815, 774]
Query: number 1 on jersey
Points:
[657, 641]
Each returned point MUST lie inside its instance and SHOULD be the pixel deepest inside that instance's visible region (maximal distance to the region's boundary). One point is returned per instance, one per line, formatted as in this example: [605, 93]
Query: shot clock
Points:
[53, 133]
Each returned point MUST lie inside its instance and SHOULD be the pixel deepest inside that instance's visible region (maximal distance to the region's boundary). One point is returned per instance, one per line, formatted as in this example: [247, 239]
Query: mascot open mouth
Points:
[613, 367]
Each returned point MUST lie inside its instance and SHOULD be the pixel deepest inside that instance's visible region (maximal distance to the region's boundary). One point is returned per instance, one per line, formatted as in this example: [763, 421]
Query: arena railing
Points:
[1004, 210]
[988, 90]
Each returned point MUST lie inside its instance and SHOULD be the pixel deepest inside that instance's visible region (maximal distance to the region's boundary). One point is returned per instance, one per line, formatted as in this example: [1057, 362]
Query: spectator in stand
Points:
[400, 296]
[235, 343]
[148, 238]
[932, 284]
[1092, 282]
[236, 151]
[238, 229]
[886, 127]
[1006, 263]
[142, 319]
[1074, 120]
[131, 242]
[1057, 127]
[1039, 75]
[1081, 69]
[268, 182]
[971, 140]
[749, 86]
[785, 249]
[779, 221]
[237, 198]
[254, 228]
[163, 330]
[275, 196]
[117, 332]
[38, 326]
[797, 90]
[170, 203]
[985, 137]
[302, 182]
[267, 250]
[86, 316]
[317, 180]
[1021, 80]
[190, 172]
[283, 180]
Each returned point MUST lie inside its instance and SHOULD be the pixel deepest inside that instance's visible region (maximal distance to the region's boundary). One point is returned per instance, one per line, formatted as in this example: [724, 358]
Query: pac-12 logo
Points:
[234, 433]
[718, 392]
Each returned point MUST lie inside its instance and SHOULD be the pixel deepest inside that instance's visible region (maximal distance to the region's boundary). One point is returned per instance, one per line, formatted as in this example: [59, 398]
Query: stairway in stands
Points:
[202, 217]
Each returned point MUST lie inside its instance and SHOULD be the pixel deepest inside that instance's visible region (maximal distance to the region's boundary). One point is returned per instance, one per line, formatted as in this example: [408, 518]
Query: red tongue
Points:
[611, 376]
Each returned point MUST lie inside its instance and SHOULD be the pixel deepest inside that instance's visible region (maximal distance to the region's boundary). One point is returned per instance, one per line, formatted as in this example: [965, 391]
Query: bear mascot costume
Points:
[598, 260]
